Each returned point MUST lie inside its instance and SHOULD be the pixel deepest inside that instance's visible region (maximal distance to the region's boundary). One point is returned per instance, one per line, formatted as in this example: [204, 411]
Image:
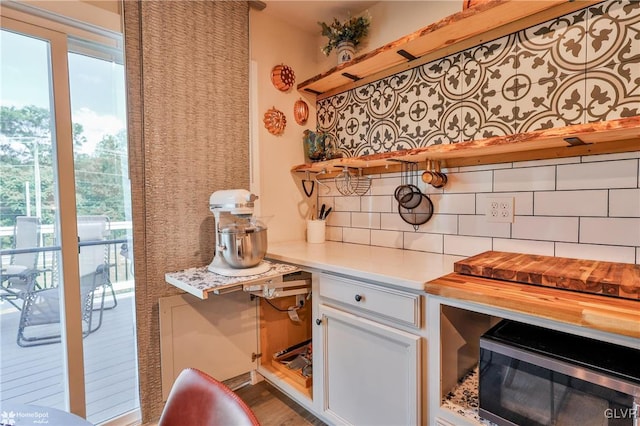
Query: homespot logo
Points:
[622, 413]
[9, 418]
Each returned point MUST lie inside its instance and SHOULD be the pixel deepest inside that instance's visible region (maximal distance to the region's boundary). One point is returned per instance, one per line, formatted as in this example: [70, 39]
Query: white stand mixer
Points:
[241, 242]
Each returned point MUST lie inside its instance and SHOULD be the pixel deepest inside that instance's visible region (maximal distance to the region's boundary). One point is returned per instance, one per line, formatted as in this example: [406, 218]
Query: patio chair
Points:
[40, 317]
[19, 276]
[96, 257]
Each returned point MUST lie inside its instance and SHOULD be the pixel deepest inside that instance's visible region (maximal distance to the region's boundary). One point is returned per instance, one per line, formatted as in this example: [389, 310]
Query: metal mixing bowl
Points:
[243, 247]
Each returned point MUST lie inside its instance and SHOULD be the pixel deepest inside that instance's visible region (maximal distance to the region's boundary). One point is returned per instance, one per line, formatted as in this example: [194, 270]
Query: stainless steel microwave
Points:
[536, 376]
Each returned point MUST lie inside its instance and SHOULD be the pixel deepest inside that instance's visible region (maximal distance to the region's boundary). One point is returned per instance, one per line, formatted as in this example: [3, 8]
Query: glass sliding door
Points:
[67, 323]
[31, 372]
[96, 80]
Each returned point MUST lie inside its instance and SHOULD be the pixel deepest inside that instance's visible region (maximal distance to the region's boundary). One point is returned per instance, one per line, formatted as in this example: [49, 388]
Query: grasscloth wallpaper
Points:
[187, 78]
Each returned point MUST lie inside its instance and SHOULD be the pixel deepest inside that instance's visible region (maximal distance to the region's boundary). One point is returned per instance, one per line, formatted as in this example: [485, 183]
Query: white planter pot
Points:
[346, 51]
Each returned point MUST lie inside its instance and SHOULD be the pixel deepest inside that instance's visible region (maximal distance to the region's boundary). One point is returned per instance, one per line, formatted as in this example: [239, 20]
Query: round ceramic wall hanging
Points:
[300, 111]
[282, 77]
[274, 121]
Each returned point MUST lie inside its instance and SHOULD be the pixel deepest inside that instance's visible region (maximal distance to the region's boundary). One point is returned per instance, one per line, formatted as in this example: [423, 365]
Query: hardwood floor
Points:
[273, 408]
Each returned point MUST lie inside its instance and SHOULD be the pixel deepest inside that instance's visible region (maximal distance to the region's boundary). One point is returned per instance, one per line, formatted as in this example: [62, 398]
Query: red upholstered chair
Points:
[197, 399]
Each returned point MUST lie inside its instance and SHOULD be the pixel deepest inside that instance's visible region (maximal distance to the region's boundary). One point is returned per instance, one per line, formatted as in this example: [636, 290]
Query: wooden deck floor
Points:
[33, 375]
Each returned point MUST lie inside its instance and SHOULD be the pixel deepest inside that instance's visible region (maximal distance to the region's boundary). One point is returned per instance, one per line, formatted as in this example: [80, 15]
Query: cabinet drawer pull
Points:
[358, 298]
[318, 321]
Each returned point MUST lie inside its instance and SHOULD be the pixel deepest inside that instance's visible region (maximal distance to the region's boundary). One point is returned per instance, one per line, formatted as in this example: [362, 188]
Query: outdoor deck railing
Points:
[119, 252]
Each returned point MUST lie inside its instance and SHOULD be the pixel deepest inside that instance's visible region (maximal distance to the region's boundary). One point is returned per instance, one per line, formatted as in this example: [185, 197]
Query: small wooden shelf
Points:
[473, 26]
[602, 137]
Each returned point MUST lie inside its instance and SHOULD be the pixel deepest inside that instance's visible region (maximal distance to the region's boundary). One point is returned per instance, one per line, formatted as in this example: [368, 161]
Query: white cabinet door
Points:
[216, 335]
[371, 371]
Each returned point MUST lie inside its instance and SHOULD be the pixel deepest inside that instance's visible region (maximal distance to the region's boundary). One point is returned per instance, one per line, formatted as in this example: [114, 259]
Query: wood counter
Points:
[589, 276]
[604, 313]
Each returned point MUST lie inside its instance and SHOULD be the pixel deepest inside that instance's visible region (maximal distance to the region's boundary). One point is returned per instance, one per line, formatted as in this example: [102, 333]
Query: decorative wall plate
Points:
[282, 77]
[300, 111]
[275, 121]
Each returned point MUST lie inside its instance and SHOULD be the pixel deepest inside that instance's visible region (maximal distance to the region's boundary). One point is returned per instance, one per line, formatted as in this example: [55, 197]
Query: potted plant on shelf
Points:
[345, 36]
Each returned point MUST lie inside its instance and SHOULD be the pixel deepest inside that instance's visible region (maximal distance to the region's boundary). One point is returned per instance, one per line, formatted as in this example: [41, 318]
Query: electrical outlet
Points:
[500, 209]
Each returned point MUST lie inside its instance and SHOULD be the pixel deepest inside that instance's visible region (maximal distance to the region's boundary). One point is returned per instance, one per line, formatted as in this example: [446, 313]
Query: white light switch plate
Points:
[500, 209]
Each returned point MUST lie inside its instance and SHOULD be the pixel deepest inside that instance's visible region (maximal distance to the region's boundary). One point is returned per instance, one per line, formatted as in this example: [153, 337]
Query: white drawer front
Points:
[390, 303]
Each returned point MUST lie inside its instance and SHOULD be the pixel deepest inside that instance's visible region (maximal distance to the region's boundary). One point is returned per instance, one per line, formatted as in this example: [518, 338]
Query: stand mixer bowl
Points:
[243, 247]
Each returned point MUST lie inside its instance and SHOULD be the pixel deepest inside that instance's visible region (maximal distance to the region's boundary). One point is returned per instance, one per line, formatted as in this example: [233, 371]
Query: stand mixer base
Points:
[227, 271]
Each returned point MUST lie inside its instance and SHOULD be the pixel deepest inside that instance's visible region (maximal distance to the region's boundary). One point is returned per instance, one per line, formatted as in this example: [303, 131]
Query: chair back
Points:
[26, 234]
[93, 257]
[198, 399]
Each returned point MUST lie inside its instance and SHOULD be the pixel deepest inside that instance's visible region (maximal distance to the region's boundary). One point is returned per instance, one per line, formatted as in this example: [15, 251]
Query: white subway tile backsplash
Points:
[545, 248]
[346, 204]
[393, 222]
[624, 203]
[480, 227]
[469, 182]
[339, 219]
[393, 239]
[571, 203]
[465, 246]
[600, 175]
[328, 201]
[592, 210]
[430, 190]
[356, 236]
[377, 203]
[523, 203]
[365, 220]
[454, 203]
[611, 157]
[327, 188]
[596, 252]
[441, 224]
[334, 233]
[545, 228]
[549, 162]
[384, 186]
[420, 241]
[485, 167]
[525, 179]
[612, 231]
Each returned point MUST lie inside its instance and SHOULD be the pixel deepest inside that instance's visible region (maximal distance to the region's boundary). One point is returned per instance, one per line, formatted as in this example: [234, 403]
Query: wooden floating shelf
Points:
[582, 139]
[471, 27]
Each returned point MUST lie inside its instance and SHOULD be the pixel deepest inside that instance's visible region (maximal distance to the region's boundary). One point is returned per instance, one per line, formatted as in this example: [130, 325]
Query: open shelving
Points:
[582, 139]
[473, 26]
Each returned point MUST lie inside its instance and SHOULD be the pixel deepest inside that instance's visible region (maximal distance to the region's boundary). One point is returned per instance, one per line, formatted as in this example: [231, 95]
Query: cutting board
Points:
[589, 276]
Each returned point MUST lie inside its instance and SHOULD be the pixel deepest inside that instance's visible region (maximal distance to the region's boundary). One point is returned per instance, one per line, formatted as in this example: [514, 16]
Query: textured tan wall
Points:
[187, 78]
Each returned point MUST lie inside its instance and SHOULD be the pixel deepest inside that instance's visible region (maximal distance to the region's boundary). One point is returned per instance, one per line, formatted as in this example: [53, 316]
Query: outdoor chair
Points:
[19, 276]
[95, 255]
[40, 317]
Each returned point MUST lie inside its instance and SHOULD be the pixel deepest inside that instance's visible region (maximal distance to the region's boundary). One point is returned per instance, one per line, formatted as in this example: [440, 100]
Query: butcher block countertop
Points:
[613, 315]
[588, 276]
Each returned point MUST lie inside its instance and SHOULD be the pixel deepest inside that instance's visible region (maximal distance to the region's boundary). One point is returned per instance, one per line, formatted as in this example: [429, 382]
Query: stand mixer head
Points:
[241, 242]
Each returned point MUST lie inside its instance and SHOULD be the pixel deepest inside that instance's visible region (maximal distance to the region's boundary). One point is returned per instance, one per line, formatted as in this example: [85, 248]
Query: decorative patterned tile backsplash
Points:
[579, 68]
